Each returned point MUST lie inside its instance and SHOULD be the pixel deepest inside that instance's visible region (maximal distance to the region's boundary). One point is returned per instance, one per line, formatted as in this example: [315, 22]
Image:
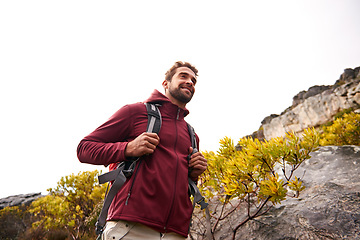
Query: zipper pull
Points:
[178, 113]
[127, 199]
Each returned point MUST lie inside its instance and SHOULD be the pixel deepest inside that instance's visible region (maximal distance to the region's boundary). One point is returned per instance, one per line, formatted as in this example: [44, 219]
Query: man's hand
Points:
[144, 144]
[197, 163]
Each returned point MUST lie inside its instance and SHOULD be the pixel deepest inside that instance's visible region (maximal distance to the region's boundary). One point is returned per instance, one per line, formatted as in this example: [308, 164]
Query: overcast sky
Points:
[67, 66]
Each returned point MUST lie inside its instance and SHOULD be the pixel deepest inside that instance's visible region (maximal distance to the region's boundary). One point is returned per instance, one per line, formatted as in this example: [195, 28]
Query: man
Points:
[154, 202]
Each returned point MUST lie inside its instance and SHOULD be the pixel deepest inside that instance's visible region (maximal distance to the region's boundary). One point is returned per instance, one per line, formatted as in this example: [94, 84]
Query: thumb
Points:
[190, 150]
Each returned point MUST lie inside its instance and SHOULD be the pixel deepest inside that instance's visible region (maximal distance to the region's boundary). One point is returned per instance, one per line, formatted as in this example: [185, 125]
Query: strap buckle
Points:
[98, 229]
[202, 203]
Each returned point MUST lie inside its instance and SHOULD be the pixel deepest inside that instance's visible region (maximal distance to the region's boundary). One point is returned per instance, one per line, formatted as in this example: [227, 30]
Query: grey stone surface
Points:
[20, 199]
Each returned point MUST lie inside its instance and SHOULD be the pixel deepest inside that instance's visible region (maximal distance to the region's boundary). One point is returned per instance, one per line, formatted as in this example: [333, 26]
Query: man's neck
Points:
[175, 101]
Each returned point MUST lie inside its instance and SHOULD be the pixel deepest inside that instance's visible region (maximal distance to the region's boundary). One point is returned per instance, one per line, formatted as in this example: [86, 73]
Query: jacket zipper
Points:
[132, 183]
[176, 172]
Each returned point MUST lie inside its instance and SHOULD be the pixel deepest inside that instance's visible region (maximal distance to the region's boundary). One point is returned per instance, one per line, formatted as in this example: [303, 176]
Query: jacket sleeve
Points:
[107, 143]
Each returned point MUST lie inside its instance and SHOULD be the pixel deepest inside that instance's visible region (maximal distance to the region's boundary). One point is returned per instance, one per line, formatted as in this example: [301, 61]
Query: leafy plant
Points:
[252, 175]
[69, 205]
[345, 130]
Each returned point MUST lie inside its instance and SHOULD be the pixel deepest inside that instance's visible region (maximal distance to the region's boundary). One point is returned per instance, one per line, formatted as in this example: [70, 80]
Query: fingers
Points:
[148, 140]
[147, 143]
[197, 161]
[198, 165]
[190, 150]
[144, 144]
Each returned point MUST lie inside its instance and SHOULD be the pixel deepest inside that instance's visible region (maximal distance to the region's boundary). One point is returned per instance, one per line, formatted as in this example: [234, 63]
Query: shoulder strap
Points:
[154, 118]
[192, 136]
[194, 190]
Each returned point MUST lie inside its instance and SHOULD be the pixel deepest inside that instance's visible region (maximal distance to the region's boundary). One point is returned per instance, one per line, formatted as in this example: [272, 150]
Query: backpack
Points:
[125, 169]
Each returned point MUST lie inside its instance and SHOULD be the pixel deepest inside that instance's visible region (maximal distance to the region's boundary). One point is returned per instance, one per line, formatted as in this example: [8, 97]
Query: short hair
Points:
[170, 73]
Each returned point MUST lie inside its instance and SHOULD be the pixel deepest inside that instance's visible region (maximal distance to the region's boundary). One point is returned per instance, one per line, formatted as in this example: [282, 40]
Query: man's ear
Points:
[165, 84]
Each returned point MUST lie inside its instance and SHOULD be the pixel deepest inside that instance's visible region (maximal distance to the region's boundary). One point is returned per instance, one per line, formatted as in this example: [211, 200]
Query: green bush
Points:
[344, 130]
[260, 175]
[69, 207]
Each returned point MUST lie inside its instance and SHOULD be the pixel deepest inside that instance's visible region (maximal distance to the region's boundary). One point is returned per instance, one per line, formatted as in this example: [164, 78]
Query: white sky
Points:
[67, 66]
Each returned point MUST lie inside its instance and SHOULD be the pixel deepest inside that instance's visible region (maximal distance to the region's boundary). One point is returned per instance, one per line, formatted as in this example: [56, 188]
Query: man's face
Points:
[182, 85]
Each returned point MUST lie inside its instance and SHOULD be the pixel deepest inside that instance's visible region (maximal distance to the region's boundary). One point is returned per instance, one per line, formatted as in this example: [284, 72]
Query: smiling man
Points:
[156, 203]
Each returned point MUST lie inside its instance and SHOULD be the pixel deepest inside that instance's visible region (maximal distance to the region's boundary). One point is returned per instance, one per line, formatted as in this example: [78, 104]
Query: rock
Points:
[21, 199]
[269, 118]
[316, 106]
[314, 90]
[357, 72]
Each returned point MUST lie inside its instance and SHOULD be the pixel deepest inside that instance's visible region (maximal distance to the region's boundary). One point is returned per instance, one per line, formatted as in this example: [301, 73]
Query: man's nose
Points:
[189, 81]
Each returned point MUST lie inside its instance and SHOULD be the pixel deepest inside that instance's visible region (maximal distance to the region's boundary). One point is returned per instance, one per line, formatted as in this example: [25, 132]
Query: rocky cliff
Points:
[316, 106]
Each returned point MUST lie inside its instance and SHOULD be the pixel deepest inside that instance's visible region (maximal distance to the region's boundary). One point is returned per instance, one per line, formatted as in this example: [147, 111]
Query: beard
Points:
[179, 95]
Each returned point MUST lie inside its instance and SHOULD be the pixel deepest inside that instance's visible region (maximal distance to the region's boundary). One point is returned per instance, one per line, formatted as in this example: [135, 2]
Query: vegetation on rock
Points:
[260, 175]
[344, 130]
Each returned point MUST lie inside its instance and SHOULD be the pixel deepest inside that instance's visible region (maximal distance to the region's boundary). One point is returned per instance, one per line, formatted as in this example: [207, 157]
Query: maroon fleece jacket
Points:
[159, 194]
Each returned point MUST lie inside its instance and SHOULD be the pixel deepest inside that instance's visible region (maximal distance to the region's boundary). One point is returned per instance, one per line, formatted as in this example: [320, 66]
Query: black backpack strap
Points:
[195, 192]
[119, 179]
[154, 118]
[193, 189]
[125, 169]
[192, 136]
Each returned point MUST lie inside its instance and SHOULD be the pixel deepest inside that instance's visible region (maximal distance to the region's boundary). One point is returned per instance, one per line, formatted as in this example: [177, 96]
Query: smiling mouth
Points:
[191, 92]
